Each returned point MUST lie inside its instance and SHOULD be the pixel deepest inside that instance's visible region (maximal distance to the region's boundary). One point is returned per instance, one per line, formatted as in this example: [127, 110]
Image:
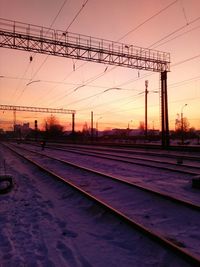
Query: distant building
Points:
[22, 130]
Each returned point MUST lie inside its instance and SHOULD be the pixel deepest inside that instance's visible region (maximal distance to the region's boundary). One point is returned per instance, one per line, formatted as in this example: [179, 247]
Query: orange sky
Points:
[136, 22]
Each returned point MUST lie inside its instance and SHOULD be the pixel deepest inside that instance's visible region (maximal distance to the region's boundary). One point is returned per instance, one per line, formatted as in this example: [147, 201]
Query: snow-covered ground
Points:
[44, 223]
[174, 183]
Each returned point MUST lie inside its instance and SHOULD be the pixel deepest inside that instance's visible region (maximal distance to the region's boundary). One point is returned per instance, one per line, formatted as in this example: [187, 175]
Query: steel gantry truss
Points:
[17, 35]
[41, 110]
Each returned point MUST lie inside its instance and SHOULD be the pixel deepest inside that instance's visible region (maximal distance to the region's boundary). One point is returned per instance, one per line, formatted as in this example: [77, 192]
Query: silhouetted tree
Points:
[141, 126]
[53, 127]
[178, 125]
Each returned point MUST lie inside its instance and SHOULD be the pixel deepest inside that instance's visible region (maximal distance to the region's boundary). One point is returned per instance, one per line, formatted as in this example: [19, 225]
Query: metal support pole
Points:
[36, 130]
[92, 128]
[73, 123]
[73, 126]
[164, 111]
[14, 119]
[146, 92]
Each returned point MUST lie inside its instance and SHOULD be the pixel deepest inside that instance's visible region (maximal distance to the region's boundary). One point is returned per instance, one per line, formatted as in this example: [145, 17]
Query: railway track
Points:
[148, 218]
[49, 223]
[176, 164]
[184, 154]
[174, 179]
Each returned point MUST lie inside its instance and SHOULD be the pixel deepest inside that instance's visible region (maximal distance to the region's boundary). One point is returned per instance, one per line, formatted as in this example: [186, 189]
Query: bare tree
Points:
[141, 126]
[53, 128]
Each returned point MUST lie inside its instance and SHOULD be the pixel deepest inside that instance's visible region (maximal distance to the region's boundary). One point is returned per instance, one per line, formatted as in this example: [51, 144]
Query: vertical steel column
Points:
[164, 110]
[146, 92]
[92, 127]
[14, 120]
[73, 124]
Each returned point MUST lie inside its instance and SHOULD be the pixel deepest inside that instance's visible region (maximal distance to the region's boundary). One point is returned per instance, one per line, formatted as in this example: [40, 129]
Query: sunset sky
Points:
[165, 25]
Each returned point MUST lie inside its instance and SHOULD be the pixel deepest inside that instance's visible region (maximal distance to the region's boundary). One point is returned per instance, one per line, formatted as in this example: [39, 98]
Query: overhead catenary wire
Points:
[70, 24]
[147, 20]
[165, 37]
[92, 96]
[136, 28]
[31, 58]
[172, 33]
[19, 84]
[142, 77]
[57, 84]
[77, 14]
[86, 83]
[177, 36]
[93, 79]
[176, 64]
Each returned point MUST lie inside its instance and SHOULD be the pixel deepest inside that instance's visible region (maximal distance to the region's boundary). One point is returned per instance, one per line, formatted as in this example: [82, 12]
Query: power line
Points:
[21, 80]
[42, 64]
[176, 64]
[177, 36]
[193, 21]
[87, 82]
[156, 14]
[47, 56]
[95, 78]
[177, 30]
[77, 14]
[147, 20]
[185, 60]
[61, 8]
[66, 30]
[137, 27]
[70, 24]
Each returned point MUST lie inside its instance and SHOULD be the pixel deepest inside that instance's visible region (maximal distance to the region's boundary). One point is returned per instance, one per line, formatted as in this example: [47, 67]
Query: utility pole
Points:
[146, 92]
[92, 128]
[73, 127]
[14, 120]
[36, 130]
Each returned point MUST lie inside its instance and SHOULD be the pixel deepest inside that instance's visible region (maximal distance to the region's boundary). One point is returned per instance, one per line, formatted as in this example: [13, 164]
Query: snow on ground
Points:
[176, 184]
[175, 222]
[44, 223]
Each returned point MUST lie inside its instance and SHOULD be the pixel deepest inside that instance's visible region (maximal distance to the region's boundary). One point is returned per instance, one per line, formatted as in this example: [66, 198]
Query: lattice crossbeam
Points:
[38, 39]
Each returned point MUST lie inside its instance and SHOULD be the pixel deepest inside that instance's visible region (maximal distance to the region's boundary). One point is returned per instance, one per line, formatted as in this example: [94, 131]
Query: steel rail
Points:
[123, 181]
[136, 163]
[152, 235]
[131, 151]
